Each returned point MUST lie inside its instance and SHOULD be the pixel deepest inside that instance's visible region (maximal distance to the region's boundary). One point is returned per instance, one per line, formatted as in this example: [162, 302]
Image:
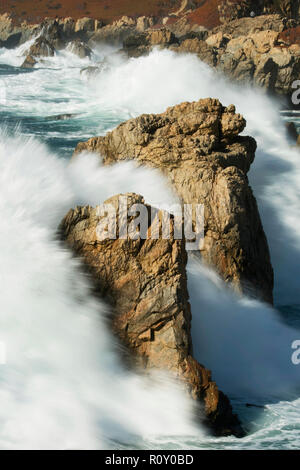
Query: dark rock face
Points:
[230, 10]
[55, 35]
[61, 117]
[197, 146]
[40, 48]
[53, 32]
[12, 35]
[144, 281]
[292, 131]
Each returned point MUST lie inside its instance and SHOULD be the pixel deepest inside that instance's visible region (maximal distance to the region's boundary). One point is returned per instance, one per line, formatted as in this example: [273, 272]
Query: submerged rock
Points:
[145, 282]
[94, 70]
[61, 117]
[40, 48]
[91, 71]
[12, 35]
[198, 147]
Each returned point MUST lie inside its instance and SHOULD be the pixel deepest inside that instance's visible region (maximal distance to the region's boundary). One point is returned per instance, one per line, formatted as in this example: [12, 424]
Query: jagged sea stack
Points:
[198, 147]
[145, 283]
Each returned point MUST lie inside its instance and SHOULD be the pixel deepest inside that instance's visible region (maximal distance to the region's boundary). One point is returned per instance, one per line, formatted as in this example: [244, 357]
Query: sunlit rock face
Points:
[145, 283]
[198, 147]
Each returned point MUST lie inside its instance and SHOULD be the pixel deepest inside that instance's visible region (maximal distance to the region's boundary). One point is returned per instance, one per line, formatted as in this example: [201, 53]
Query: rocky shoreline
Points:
[198, 147]
[263, 50]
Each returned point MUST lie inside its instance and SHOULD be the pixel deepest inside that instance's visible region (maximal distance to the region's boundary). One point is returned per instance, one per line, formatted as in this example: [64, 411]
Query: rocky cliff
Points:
[198, 147]
[144, 281]
[257, 52]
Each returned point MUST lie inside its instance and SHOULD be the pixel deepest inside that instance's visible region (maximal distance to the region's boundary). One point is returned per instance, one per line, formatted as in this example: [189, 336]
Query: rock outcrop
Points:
[137, 45]
[248, 25]
[232, 9]
[12, 35]
[260, 58]
[144, 281]
[40, 48]
[247, 50]
[198, 147]
[116, 32]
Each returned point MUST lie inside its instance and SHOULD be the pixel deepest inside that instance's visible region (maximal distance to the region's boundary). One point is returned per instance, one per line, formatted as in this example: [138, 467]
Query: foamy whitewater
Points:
[63, 385]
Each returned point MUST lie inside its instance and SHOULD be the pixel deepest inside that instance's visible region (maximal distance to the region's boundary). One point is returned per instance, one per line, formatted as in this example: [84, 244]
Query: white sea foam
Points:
[63, 385]
[244, 342]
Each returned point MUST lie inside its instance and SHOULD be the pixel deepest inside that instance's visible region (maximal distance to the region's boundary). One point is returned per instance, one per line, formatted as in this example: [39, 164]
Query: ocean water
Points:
[63, 385]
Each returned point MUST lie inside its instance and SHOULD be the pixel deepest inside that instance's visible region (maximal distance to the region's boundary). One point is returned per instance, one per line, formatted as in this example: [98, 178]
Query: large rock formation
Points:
[11, 35]
[263, 50]
[261, 58]
[137, 45]
[118, 31]
[144, 281]
[79, 48]
[40, 48]
[198, 147]
[248, 25]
